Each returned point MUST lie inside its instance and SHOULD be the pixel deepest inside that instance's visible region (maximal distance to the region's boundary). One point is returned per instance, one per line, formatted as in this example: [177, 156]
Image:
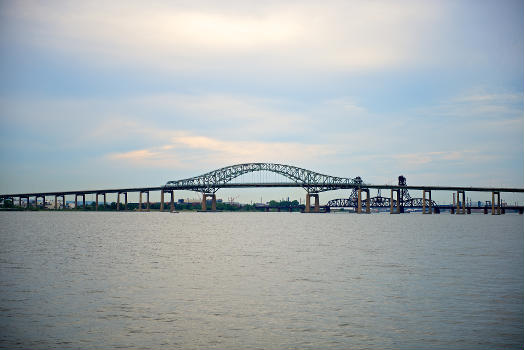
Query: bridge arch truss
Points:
[311, 181]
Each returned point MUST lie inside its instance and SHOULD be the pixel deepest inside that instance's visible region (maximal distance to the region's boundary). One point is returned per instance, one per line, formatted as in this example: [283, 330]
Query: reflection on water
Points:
[260, 280]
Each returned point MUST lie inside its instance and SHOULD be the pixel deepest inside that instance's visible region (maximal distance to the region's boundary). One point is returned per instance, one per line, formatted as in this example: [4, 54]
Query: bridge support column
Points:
[125, 201]
[76, 201]
[140, 201]
[20, 202]
[56, 202]
[359, 201]
[316, 208]
[147, 197]
[459, 202]
[63, 202]
[172, 202]
[96, 202]
[43, 201]
[213, 201]
[424, 202]
[118, 201]
[161, 200]
[105, 202]
[391, 202]
[306, 209]
[495, 210]
[84, 201]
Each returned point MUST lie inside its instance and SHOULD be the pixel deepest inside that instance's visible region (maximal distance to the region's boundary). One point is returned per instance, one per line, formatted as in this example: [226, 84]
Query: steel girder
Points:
[311, 181]
[379, 202]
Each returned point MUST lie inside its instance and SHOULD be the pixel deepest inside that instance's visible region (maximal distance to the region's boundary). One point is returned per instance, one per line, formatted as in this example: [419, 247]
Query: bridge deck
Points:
[271, 184]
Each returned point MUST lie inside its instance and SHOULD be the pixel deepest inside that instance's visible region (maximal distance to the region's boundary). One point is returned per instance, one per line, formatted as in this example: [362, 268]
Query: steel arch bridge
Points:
[311, 181]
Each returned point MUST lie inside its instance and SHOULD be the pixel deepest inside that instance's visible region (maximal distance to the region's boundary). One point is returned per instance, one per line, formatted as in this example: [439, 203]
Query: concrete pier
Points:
[172, 202]
[147, 201]
[359, 201]
[161, 200]
[495, 210]
[316, 208]
[391, 201]
[424, 202]
[213, 197]
[118, 200]
[463, 202]
[213, 201]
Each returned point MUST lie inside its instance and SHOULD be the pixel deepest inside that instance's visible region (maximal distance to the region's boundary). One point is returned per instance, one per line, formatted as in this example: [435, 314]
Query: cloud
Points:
[302, 35]
[187, 150]
[480, 106]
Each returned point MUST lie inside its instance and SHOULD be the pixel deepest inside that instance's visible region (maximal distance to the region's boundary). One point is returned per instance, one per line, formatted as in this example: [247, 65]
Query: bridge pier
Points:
[118, 200]
[359, 201]
[83, 200]
[140, 201]
[391, 202]
[316, 209]
[161, 200]
[96, 202]
[495, 210]
[172, 202]
[459, 209]
[56, 202]
[424, 202]
[213, 201]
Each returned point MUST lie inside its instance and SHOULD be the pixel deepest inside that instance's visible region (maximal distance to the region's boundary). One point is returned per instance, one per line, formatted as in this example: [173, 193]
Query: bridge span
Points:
[312, 182]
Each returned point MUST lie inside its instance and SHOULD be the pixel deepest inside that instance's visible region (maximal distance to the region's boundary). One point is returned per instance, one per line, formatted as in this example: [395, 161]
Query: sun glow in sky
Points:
[133, 93]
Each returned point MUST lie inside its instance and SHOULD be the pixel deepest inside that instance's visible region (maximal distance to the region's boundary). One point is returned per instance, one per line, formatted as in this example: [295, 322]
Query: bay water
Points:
[150, 280]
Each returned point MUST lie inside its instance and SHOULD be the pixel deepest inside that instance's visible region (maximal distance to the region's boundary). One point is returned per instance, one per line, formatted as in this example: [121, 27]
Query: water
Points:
[260, 280]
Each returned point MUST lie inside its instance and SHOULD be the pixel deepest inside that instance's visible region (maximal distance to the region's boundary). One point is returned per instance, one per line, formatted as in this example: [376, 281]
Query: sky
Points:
[98, 94]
